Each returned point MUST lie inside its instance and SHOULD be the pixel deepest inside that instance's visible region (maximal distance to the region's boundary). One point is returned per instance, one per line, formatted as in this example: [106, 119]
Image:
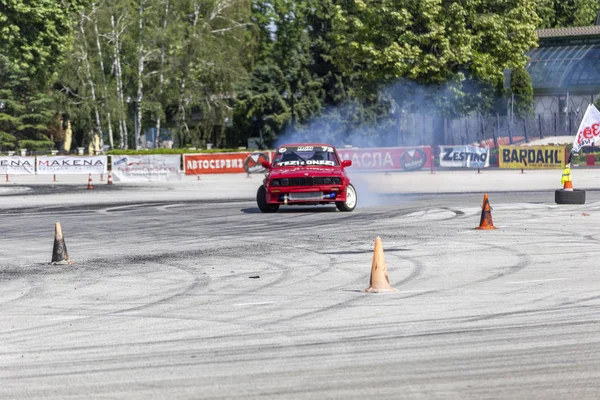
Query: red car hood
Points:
[292, 172]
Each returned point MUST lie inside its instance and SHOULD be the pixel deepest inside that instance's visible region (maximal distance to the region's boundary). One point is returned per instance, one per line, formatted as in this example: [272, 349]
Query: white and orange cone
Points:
[60, 255]
[379, 276]
[90, 185]
[109, 181]
[485, 222]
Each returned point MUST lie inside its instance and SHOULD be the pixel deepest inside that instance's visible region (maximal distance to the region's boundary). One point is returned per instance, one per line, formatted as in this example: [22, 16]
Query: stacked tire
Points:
[575, 196]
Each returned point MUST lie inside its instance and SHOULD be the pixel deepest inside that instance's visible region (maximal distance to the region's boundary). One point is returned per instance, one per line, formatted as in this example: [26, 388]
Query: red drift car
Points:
[304, 174]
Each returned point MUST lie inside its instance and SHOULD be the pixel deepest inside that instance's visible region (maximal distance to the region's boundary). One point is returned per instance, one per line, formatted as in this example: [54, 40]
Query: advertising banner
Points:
[15, 165]
[388, 158]
[155, 167]
[464, 156]
[531, 157]
[47, 165]
[225, 163]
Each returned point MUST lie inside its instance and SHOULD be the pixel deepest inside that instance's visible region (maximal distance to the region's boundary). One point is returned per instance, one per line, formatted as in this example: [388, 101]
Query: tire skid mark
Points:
[284, 274]
[323, 270]
[23, 295]
[522, 263]
[194, 285]
[534, 311]
[364, 327]
[579, 301]
[415, 273]
[125, 208]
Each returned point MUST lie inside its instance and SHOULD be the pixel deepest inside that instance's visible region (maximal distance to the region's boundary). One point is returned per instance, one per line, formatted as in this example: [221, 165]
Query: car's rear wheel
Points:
[261, 200]
[351, 200]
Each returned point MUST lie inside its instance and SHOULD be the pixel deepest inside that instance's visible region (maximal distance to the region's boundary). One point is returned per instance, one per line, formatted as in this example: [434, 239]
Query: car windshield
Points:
[289, 156]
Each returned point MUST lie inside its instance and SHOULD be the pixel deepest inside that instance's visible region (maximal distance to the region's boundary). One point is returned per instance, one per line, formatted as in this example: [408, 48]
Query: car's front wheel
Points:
[351, 199]
[261, 201]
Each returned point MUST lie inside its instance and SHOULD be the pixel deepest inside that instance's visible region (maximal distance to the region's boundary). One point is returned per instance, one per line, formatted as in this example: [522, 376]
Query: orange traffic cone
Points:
[109, 181]
[568, 186]
[379, 277]
[486, 215]
[90, 186]
[60, 255]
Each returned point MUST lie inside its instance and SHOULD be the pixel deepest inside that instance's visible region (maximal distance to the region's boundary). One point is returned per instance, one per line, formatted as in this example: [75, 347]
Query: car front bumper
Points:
[306, 195]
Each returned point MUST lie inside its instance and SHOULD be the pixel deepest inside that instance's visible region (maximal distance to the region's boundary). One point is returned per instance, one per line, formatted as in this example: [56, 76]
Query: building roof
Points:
[568, 32]
[566, 59]
[575, 67]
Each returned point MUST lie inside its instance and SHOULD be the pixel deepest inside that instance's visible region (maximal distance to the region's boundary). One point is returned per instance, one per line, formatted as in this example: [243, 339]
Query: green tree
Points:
[521, 88]
[347, 109]
[295, 88]
[205, 62]
[459, 47]
[27, 115]
[151, 62]
[280, 91]
[566, 13]
[35, 34]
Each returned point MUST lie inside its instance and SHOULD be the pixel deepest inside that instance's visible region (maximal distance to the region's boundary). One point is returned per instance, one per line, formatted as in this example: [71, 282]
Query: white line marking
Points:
[416, 291]
[254, 304]
[539, 280]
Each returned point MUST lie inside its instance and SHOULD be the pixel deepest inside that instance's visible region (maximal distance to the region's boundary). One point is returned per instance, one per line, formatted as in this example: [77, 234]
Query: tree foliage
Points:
[520, 87]
[36, 34]
[295, 90]
[566, 13]
[27, 115]
[460, 47]
[282, 92]
[173, 61]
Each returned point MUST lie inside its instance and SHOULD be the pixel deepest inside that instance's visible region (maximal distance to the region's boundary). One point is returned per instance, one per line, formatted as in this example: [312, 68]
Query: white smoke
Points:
[401, 103]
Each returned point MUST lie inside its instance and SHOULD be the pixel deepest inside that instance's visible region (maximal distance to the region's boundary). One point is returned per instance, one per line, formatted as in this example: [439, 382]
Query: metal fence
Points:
[511, 129]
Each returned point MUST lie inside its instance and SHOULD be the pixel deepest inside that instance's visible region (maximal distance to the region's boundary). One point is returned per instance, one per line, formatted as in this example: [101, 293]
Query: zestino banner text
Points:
[531, 157]
[464, 156]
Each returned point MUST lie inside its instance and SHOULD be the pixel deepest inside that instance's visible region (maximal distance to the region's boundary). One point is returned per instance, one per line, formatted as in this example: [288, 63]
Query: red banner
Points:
[388, 158]
[376, 159]
[224, 163]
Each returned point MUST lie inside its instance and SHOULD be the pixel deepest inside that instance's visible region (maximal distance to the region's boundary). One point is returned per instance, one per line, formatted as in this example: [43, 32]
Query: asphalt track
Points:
[201, 299]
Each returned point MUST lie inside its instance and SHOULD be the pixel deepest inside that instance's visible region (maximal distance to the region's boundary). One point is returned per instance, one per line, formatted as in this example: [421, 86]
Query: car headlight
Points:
[337, 180]
[275, 182]
[285, 182]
